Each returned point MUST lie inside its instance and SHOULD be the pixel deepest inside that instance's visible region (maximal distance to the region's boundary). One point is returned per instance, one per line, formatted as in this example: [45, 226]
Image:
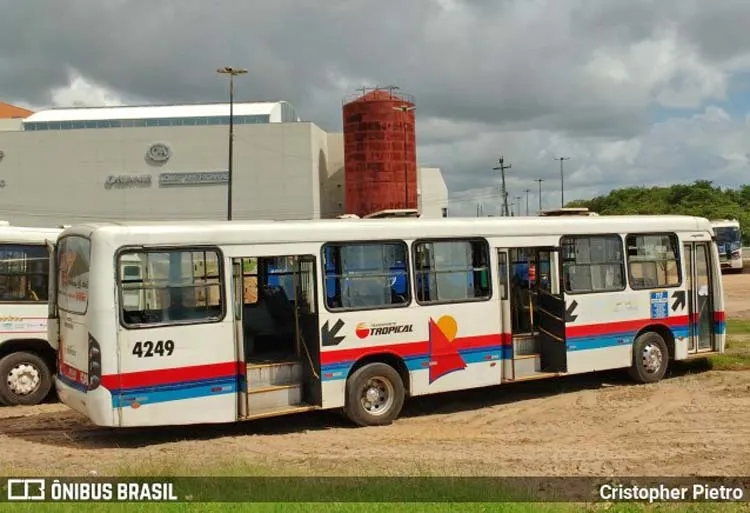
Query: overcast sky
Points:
[633, 91]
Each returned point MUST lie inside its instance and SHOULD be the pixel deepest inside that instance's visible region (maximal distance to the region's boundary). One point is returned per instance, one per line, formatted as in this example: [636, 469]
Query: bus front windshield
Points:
[727, 235]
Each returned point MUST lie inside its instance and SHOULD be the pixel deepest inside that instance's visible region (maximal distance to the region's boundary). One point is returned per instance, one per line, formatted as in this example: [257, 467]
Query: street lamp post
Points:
[232, 72]
[539, 181]
[405, 108]
[562, 188]
[527, 191]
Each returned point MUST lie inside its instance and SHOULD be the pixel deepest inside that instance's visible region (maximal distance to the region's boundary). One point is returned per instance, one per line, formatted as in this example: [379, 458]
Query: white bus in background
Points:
[729, 241]
[27, 356]
[232, 321]
[567, 211]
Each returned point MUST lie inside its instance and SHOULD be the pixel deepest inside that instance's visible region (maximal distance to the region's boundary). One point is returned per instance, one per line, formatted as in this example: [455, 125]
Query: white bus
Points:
[729, 241]
[567, 211]
[232, 321]
[27, 358]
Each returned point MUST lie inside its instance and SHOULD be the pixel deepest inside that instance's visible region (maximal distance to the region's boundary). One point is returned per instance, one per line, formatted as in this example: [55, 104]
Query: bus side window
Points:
[450, 271]
[653, 260]
[171, 286]
[593, 263]
[24, 273]
[366, 275]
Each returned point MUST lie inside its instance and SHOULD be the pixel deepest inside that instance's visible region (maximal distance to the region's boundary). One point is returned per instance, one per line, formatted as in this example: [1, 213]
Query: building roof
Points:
[8, 111]
[271, 109]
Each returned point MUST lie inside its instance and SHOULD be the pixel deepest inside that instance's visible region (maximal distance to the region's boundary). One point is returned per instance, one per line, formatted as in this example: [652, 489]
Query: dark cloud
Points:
[530, 78]
[495, 62]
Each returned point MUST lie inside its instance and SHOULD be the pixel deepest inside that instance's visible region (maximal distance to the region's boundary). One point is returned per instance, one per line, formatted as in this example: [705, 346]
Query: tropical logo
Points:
[444, 354]
[364, 330]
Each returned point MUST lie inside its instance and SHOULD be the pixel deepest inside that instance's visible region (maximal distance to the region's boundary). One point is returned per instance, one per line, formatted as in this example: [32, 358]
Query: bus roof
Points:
[568, 211]
[27, 234]
[722, 223]
[239, 232]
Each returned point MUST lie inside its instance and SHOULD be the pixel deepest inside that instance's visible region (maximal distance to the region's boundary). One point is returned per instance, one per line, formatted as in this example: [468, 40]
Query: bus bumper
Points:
[733, 264]
[96, 405]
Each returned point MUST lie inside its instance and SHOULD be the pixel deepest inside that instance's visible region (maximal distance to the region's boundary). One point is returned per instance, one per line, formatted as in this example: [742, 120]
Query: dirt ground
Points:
[693, 422]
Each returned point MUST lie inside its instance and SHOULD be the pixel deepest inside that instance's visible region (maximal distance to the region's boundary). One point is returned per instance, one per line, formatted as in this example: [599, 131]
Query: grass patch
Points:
[736, 356]
[738, 327]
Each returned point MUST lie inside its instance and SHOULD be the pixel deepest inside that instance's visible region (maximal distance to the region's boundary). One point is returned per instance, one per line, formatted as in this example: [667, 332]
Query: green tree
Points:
[701, 198]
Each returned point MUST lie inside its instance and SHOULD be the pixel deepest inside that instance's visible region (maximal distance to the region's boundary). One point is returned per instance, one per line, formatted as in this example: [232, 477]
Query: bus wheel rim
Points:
[652, 358]
[23, 379]
[377, 396]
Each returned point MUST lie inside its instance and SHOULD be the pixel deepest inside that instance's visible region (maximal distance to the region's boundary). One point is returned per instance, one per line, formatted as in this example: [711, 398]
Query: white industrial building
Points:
[63, 166]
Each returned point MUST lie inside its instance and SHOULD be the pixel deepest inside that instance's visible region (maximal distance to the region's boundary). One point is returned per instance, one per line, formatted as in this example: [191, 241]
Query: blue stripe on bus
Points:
[587, 343]
[339, 371]
[175, 385]
[233, 384]
[175, 392]
[71, 383]
[415, 363]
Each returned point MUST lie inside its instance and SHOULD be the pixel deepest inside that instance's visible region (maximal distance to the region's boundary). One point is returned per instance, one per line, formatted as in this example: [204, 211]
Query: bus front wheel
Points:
[374, 395]
[25, 379]
[650, 358]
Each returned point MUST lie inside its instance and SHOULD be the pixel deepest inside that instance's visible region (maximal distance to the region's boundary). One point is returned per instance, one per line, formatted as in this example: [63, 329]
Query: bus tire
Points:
[22, 370]
[374, 395]
[650, 358]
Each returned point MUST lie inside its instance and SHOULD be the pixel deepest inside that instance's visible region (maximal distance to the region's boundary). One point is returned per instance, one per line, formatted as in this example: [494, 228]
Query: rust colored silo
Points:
[380, 157]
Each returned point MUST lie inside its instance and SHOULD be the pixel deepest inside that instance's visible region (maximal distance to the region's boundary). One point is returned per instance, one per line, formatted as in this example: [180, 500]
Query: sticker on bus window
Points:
[660, 304]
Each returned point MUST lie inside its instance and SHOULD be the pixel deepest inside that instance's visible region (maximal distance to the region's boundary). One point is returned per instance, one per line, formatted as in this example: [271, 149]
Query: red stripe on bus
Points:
[609, 328]
[481, 341]
[404, 350]
[720, 316]
[169, 376]
[411, 349]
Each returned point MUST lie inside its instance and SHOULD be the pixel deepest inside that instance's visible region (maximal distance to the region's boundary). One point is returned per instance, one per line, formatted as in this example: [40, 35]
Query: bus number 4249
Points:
[148, 349]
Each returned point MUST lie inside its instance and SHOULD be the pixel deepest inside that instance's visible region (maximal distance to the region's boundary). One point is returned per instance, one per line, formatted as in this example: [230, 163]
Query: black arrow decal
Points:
[569, 317]
[329, 335]
[679, 300]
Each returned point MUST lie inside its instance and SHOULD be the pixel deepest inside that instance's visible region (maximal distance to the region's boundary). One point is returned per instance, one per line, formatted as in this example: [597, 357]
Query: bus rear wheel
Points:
[650, 358]
[25, 379]
[374, 395]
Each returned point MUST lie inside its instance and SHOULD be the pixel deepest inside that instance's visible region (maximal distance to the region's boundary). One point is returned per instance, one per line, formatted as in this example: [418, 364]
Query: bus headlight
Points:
[95, 364]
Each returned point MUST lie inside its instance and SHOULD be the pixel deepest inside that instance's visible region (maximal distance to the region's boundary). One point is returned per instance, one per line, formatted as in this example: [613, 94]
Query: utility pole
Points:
[518, 204]
[527, 191]
[539, 181]
[562, 187]
[502, 167]
[232, 72]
